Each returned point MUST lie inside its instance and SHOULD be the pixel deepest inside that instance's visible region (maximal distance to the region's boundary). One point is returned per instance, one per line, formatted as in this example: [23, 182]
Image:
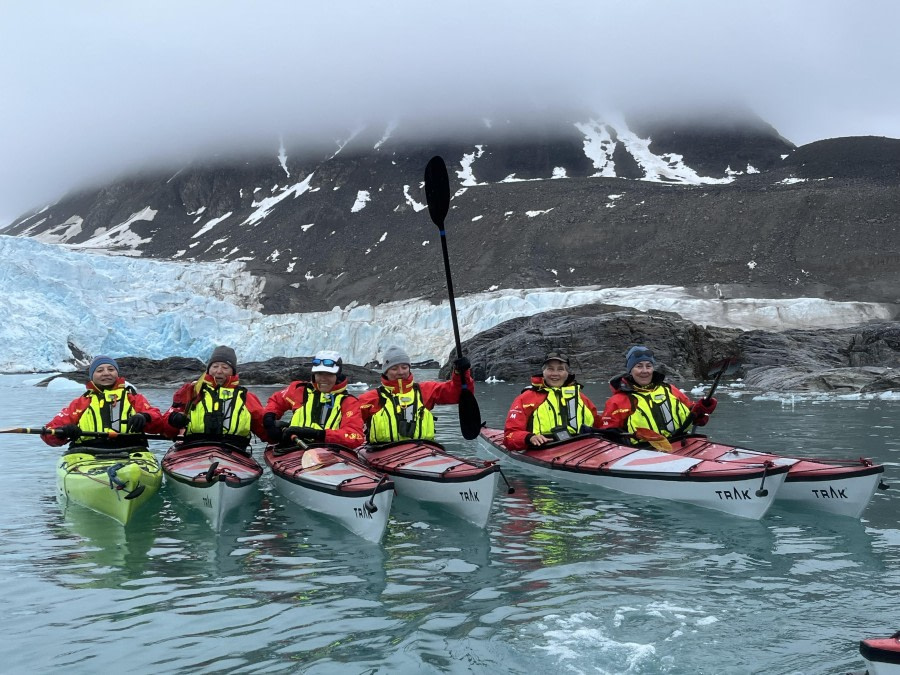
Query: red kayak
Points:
[746, 491]
[882, 655]
[424, 471]
[839, 487]
[216, 479]
[332, 480]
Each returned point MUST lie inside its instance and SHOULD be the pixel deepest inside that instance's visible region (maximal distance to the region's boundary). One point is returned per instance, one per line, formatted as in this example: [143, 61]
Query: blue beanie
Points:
[99, 361]
[637, 354]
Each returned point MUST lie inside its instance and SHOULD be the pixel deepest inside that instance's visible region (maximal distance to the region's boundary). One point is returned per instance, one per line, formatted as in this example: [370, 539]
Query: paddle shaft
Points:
[42, 431]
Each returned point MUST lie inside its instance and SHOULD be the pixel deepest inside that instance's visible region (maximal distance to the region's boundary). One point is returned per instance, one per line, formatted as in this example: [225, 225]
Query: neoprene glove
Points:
[272, 430]
[137, 422]
[702, 407]
[586, 429]
[70, 432]
[178, 420]
[462, 364]
[305, 433]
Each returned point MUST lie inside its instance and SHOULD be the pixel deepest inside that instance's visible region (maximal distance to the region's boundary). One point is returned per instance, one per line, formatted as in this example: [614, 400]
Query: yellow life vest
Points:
[320, 410]
[219, 411]
[563, 407]
[657, 409]
[108, 410]
[401, 417]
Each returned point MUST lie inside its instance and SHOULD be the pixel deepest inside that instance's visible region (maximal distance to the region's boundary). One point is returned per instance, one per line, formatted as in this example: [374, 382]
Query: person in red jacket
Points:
[322, 410]
[216, 408]
[109, 405]
[400, 409]
[552, 408]
[643, 400]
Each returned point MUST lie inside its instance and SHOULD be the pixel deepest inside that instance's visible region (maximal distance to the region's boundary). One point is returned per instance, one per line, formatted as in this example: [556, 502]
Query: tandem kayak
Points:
[115, 483]
[842, 488]
[330, 479]
[745, 491]
[214, 478]
[424, 471]
[882, 655]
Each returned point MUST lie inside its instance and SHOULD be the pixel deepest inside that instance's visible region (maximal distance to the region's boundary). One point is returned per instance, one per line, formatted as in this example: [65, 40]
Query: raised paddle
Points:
[727, 365]
[437, 194]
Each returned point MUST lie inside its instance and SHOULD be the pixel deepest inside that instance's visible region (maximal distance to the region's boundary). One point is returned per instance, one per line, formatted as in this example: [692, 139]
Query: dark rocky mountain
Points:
[820, 220]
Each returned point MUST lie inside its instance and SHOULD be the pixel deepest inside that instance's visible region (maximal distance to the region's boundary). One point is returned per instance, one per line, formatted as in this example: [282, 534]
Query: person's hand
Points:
[538, 440]
[68, 432]
[704, 407]
[587, 429]
[462, 364]
[273, 431]
[178, 420]
[137, 422]
[305, 433]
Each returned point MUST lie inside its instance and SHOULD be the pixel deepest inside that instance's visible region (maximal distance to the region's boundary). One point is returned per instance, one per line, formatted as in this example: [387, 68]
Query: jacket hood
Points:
[397, 386]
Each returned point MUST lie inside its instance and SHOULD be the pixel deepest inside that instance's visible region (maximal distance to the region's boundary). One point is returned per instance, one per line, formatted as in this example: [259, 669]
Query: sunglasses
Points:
[328, 363]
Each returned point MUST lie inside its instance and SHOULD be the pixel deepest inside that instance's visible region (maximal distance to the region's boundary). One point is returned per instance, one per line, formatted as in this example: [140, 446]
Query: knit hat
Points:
[393, 356]
[327, 362]
[223, 354]
[637, 354]
[99, 361]
[556, 356]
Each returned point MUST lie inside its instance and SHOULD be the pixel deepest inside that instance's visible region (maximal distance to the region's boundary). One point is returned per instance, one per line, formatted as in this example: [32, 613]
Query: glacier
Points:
[123, 306]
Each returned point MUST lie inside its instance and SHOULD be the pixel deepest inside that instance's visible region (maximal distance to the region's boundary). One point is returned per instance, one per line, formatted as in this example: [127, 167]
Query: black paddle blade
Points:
[469, 415]
[437, 190]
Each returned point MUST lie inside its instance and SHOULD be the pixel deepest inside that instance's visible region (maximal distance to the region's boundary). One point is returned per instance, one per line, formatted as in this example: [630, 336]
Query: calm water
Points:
[563, 580]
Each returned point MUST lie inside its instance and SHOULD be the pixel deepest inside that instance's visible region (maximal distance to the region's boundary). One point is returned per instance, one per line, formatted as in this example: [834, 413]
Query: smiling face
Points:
[220, 371]
[642, 373]
[325, 381]
[555, 373]
[105, 375]
[398, 372]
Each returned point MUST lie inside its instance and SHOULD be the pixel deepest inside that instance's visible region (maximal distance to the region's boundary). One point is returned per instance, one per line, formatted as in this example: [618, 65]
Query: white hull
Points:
[349, 511]
[469, 500]
[217, 501]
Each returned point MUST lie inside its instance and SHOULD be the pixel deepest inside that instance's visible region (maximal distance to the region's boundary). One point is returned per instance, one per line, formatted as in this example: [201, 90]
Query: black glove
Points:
[462, 364]
[305, 433]
[585, 429]
[69, 432]
[136, 423]
[273, 432]
[178, 420]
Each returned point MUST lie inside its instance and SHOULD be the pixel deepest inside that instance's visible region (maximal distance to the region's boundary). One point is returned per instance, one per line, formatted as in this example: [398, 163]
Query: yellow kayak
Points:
[115, 483]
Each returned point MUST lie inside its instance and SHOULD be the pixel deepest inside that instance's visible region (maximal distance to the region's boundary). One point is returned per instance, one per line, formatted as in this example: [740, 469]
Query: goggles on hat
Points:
[328, 363]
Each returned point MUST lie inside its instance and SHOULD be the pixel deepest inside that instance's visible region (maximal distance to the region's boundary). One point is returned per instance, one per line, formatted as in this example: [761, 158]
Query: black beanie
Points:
[223, 354]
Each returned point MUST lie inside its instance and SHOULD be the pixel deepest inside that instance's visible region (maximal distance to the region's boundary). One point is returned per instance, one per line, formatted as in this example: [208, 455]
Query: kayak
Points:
[215, 478]
[330, 479]
[882, 655]
[424, 471]
[745, 491]
[115, 483]
[842, 488]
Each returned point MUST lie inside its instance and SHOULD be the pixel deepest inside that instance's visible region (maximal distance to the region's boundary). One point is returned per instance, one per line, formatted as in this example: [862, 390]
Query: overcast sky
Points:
[91, 89]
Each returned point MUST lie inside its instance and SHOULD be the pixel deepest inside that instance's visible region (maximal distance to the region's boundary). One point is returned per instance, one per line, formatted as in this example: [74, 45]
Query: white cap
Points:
[327, 362]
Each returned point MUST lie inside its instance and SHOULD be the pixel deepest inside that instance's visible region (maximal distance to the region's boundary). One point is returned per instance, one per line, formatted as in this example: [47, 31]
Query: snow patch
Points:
[362, 197]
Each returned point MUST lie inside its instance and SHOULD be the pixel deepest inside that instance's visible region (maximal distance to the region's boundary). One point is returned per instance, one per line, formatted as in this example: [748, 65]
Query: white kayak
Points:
[424, 471]
[838, 487]
[882, 655]
[330, 479]
[745, 491]
[216, 479]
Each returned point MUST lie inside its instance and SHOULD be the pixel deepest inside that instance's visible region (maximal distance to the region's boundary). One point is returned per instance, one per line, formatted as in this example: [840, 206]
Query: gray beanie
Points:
[223, 354]
[393, 356]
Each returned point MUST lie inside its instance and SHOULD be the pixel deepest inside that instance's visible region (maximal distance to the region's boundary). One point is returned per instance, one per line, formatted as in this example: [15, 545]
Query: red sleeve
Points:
[515, 431]
[156, 425]
[681, 396]
[256, 410]
[277, 403]
[616, 412]
[443, 393]
[68, 415]
[350, 433]
[368, 405]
